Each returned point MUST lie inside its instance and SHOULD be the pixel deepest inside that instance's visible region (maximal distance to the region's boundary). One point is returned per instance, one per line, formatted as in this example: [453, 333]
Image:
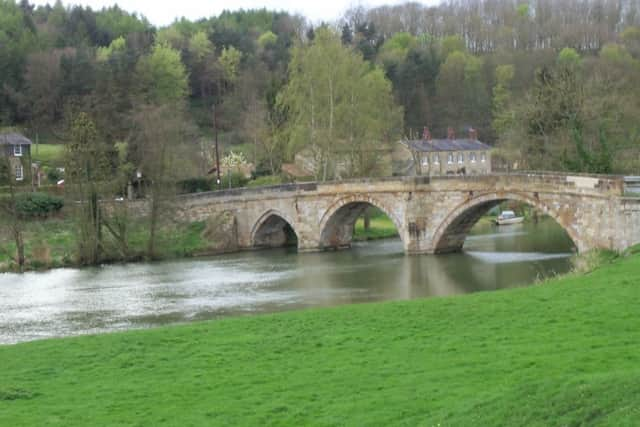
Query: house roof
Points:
[14, 138]
[433, 145]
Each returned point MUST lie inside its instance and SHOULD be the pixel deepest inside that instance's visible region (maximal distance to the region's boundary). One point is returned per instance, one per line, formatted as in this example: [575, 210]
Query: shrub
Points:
[194, 185]
[233, 180]
[33, 205]
[265, 181]
[54, 175]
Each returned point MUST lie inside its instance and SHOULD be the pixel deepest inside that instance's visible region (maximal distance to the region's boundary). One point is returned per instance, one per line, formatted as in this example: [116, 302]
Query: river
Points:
[66, 302]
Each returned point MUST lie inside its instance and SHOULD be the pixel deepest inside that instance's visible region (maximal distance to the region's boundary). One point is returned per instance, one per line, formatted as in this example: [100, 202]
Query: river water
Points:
[67, 302]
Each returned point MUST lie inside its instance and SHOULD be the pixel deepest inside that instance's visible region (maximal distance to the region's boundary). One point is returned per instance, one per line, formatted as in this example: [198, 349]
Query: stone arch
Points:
[273, 229]
[336, 224]
[452, 232]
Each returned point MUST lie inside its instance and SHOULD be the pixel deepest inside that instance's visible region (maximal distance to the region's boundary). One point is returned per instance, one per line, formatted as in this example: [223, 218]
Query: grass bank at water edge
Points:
[561, 353]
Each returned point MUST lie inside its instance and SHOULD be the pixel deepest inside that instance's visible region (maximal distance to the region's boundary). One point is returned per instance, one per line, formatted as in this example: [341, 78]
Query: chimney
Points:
[473, 134]
[426, 135]
[451, 133]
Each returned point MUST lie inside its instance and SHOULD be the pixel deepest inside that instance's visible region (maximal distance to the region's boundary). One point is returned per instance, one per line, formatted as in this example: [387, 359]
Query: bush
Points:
[263, 181]
[33, 205]
[194, 185]
[54, 175]
[233, 180]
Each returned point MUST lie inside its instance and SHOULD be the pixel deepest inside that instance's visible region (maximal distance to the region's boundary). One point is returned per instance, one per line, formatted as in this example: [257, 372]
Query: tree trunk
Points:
[367, 219]
[17, 235]
[153, 222]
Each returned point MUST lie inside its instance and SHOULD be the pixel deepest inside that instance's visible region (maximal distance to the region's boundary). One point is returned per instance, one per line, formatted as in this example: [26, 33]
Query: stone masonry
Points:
[432, 215]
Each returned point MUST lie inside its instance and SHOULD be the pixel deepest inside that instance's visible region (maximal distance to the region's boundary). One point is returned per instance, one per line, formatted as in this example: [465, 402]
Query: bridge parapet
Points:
[599, 185]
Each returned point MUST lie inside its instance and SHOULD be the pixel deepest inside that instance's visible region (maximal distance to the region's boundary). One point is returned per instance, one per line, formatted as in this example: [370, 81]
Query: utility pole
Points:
[215, 136]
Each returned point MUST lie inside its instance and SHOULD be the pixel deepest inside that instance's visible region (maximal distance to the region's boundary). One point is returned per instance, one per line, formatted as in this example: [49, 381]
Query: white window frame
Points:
[483, 157]
[436, 159]
[450, 159]
[17, 150]
[460, 158]
[19, 171]
[472, 157]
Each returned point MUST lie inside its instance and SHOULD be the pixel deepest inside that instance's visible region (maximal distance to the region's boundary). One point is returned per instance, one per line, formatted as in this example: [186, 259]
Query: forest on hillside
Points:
[553, 85]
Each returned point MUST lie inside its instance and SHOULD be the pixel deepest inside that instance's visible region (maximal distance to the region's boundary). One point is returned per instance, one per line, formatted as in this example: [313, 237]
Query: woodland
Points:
[552, 85]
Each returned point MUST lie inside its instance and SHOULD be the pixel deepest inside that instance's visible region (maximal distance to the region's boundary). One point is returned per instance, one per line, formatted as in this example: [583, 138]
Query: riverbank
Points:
[563, 352]
[51, 243]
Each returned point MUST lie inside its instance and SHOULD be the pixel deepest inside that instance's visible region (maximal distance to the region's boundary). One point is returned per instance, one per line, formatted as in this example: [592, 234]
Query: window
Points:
[436, 159]
[483, 157]
[17, 150]
[450, 158]
[19, 173]
[472, 157]
[460, 157]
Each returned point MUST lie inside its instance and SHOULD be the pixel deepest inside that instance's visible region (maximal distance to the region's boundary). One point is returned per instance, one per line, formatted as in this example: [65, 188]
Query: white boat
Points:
[508, 217]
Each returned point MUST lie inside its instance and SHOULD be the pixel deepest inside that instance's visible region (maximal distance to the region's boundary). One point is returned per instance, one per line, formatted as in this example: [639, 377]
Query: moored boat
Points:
[508, 217]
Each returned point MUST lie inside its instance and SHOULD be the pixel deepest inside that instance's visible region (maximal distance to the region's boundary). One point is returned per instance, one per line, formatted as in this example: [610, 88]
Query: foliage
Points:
[232, 179]
[52, 243]
[38, 205]
[267, 39]
[337, 103]
[264, 181]
[88, 168]
[490, 358]
[568, 57]
[587, 160]
[230, 61]
[233, 159]
[163, 76]
[194, 185]
[502, 113]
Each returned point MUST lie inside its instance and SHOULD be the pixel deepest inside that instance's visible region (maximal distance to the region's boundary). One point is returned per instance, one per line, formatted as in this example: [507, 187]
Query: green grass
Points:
[561, 353]
[51, 155]
[52, 243]
[380, 227]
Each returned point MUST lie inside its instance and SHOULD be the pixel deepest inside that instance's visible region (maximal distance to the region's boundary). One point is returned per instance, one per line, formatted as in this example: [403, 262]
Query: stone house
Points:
[439, 157]
[18, 148]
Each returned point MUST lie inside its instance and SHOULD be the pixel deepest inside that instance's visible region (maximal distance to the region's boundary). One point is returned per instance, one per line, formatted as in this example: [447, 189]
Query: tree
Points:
[88, 169]
[9, 211]
[162, 155]
[502, 113]
[336, 102]
[162, 76]
[462, 93]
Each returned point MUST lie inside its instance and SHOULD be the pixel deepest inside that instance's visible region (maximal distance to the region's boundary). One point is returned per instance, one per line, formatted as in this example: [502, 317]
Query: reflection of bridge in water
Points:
[432, 215]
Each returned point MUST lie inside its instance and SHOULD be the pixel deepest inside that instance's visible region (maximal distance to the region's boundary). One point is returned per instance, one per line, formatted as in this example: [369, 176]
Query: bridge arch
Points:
[338, 221]
[273, 229]
[452, 232]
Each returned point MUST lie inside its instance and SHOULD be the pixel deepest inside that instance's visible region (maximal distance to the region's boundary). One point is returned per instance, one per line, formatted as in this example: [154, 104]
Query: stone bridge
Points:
[432, 215]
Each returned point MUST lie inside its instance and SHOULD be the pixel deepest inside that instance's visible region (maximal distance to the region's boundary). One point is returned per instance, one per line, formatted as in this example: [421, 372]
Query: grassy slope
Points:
[562, 353]
[48, 154]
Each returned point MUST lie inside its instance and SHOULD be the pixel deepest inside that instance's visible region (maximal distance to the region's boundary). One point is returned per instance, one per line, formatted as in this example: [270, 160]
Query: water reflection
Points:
[70, 302]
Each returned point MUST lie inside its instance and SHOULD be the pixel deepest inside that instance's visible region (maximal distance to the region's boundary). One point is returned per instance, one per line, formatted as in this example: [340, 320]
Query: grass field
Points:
[51, 155]
[560, 353]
